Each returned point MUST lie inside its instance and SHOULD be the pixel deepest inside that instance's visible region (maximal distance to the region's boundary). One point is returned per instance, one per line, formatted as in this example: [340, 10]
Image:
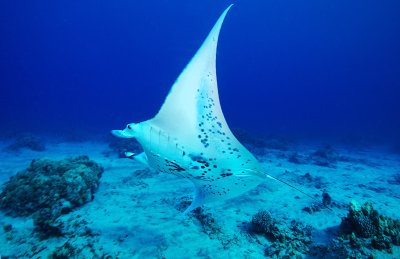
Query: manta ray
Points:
[189, 136]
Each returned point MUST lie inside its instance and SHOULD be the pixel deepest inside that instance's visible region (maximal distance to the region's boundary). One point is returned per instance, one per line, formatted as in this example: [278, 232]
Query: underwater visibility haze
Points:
[310, 91]
[298, 67]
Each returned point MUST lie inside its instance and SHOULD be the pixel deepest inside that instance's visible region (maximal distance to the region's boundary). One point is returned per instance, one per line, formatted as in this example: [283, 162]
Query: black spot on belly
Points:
[196, 157]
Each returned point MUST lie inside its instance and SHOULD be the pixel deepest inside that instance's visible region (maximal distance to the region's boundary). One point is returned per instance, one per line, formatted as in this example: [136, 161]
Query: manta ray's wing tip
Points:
[227, 9]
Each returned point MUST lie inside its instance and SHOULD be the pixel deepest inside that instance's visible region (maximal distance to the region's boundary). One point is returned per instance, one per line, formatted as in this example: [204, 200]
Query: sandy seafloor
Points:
[133, 213]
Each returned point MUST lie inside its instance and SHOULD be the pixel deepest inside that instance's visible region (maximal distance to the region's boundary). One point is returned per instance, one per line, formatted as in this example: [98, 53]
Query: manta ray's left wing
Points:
[192, 116]
[195, 93]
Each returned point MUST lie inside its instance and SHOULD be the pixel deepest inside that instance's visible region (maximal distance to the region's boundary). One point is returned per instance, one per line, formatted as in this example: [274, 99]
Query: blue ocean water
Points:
[314, 68]
[310, 88]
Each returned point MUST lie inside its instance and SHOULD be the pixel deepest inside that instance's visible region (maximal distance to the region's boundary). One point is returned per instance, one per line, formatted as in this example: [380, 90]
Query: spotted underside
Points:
[190, 138]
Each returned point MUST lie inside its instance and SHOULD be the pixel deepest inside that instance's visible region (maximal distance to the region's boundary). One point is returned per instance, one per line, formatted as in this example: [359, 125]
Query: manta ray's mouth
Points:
[121, 134]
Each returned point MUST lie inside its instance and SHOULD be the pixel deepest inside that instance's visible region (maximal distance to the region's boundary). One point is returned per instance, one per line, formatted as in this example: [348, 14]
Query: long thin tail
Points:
[297, 189]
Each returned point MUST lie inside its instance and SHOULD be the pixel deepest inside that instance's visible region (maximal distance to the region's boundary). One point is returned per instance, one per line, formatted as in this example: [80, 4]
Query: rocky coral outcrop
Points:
[288, 240]
[47, 189]
[364, 233]
[366, 222]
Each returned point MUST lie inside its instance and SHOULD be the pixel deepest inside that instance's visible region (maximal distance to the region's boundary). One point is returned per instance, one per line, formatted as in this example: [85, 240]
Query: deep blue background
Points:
[308, 67]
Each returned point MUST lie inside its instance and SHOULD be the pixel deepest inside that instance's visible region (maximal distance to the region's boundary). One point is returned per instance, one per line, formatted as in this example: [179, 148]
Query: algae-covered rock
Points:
[47, 189]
